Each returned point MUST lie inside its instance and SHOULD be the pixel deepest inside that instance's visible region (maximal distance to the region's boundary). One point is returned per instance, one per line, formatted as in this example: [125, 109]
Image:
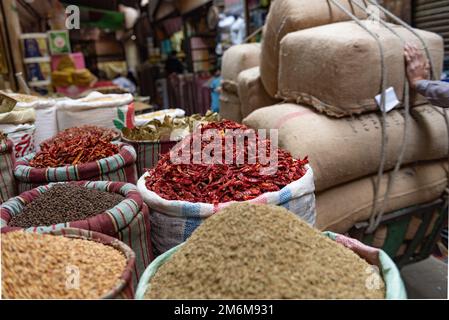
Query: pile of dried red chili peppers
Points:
[219, 183]
[75, 146]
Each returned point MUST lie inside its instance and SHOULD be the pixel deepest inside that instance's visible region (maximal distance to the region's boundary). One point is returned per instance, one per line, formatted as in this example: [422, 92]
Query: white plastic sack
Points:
[172, 222]
[107, 110]
[22, 136]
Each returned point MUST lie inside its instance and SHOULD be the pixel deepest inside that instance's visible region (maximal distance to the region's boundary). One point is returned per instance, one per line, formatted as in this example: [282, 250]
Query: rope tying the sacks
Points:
[376, 217]
[383, 152]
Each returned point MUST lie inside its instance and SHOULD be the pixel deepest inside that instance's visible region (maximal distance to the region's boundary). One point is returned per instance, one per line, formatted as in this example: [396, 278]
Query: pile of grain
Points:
[65, 203]
[261, 252]
[36, 266]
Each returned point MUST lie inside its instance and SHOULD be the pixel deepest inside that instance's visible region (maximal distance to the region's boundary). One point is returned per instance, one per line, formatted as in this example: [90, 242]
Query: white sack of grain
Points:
[342, 150]
[341, 207]
[252, 93]
[287, 16]
[237, 59]
[337, 68]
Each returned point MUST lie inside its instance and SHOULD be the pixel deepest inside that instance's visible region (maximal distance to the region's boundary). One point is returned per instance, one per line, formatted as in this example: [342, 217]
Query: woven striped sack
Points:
[120, 167]
[149, 153]
[173, 222]
[129, 221]
[7, 159]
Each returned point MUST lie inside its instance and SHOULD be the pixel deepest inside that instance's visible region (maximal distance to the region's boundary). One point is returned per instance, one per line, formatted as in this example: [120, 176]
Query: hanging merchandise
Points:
[34, 45]
[238, 31]
[59, 42]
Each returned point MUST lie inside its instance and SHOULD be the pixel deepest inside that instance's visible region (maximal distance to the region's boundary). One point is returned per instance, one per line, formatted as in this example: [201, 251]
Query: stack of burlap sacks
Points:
[327, 70]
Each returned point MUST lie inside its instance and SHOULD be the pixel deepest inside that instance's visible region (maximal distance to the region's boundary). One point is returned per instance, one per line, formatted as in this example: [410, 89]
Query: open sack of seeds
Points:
[250, 251]
[181, 196]
[7, 159]
[113, 208]
[66, 264]
[86, 153]
[109, 110]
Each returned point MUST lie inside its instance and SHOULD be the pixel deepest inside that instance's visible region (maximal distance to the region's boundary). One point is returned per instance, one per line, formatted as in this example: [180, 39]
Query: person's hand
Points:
[418, 67]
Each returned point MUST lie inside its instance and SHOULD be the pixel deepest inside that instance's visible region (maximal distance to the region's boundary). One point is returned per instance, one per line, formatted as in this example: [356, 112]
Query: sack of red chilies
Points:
[198, 178]
[85, 153]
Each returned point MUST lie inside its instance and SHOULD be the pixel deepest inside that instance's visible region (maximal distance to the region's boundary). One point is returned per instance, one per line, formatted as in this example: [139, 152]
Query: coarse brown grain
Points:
[35, 266]
[65, 202]
[261, 252]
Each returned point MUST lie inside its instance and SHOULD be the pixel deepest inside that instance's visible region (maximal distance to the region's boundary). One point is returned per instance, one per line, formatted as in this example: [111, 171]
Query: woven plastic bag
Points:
[174, 221]
[7, 181]
[394, 286]
[120, 167]
[128, 221]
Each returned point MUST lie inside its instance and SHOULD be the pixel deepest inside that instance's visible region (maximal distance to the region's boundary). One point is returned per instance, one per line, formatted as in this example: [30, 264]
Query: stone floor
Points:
[426, 279]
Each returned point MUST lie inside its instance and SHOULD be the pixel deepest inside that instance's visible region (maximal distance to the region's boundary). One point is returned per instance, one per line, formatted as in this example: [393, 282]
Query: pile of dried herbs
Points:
[262, 252]
[76, 146]
[222, 181]
[170, 129]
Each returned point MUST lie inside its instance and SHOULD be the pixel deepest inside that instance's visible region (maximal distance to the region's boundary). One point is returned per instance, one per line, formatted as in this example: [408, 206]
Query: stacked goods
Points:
[19, 123]
[182, 191]
[235, 60]
[70, 264]
[115, 209]
[233, 256]
[293, 15]
[45, 110]
[7, 159]
[157, 137]
[346, 72]
[417, 184]
[114, 111]
[251, 92]
[343, 150]
[76, 158]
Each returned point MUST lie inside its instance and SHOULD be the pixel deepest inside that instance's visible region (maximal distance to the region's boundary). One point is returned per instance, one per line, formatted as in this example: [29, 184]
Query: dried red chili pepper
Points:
[218, 183]
[75, 146]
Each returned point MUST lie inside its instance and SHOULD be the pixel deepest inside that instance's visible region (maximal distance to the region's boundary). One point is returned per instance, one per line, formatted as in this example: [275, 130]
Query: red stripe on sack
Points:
[141, 244]
[289, 117]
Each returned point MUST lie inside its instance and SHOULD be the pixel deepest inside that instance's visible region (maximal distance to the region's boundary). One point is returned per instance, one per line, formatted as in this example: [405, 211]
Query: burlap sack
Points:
[287, 16]
[340, 208]
[230, 107]
[251, 91]
[342, 150]
[346, 72]
[235, 60]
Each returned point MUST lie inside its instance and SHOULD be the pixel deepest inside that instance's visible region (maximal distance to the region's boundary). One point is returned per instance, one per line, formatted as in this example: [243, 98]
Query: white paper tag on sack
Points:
[391, 100]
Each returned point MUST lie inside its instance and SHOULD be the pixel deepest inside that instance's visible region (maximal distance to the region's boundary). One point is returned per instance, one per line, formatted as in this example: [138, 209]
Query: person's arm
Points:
[418, 69]
[437, 92]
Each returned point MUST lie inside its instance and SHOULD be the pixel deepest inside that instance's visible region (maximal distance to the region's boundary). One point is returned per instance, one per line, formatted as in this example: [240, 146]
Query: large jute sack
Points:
[129, 221]
[172, 222]
[7, 181]
[230, 107]
[346, 73]
[252, 93]
[341, 207]
[236, 59]
[342, 150]
[120, 167]
[114, 111]
[287, 16]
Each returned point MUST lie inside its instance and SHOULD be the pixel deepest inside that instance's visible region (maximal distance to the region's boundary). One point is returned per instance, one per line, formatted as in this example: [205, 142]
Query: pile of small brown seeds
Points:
[261, 252]
[65, 203]
[36, 266]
